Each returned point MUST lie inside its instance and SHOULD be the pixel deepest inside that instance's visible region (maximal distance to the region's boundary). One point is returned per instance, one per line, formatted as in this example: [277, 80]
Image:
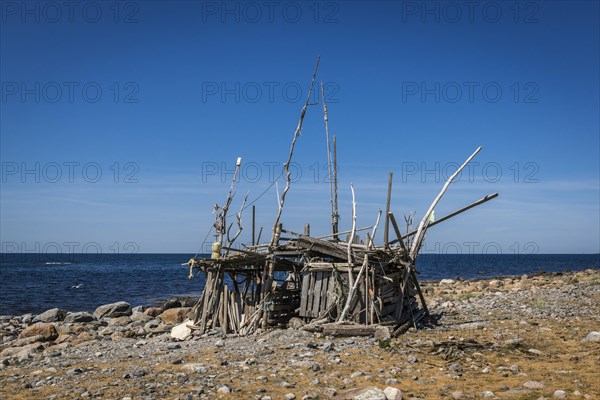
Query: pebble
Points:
[592, 337]
[560, 394]
[533, 385]
[224, 390]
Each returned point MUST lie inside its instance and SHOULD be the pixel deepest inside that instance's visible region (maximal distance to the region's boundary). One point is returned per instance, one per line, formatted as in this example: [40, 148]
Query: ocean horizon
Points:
[34, 282]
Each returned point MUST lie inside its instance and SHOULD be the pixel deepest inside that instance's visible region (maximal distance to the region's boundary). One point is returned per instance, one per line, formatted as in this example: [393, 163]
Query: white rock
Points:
[533, 385]
[195, 367]
[592, 337]
[447, 281]
[487, 393]
[224, 390]
[392, 393]
[560, 394]
[182, 331]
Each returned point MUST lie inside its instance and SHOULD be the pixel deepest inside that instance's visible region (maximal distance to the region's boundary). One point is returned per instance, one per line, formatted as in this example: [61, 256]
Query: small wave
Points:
[57, 263]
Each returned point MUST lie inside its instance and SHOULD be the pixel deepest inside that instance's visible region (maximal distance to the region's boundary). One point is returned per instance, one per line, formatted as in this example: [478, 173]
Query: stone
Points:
[140, 317]
[560, 394]
[171, 303]
[290, 396]
[295, 323]
[113, 310]
[224, 390]
[391, 393]
[46, 331]
[79, 317]
[447, 281]
[455, 367]
[20, 352]
[51, 315]
[196, 368]
[182, 331]
[28, 340]
[119, 321]
[382, 333]
[368, 393]
[175, 315]
[458, 395]
[84, 337]
[592, 337]
[487, 393]
[533, 385]
[535, 351]
[153, 311]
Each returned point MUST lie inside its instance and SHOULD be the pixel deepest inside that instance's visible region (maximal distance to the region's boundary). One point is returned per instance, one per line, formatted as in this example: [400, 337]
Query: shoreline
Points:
[498, 337]
[162, 299]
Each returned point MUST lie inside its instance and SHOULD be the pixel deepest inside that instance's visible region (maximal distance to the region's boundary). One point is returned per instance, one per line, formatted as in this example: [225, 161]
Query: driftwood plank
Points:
[317, 298]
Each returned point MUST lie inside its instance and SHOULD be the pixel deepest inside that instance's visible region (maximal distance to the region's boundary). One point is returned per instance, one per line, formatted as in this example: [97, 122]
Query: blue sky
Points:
[120, 122]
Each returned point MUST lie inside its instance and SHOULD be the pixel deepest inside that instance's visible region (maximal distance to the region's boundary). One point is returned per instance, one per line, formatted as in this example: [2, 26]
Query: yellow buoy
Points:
[216, 250]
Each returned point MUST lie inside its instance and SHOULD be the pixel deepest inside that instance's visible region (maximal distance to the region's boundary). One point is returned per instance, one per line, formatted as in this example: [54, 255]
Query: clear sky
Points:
[120, 122]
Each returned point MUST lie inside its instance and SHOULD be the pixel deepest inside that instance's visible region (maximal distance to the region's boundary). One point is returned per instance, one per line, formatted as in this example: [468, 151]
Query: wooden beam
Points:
[453, 214]
[386, 229]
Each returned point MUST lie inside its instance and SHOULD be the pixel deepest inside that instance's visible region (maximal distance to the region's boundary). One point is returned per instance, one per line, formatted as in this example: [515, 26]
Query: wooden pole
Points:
[397, 230]
[276, 230]
[329, 175]
[253, 224]
[386, 229]
[336, 214]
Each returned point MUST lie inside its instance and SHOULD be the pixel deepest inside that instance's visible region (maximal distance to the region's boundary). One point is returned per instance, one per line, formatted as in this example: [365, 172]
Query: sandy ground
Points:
[514, 338]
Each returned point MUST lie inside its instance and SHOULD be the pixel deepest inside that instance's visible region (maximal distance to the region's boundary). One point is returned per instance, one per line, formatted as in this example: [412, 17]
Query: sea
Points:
[33, 283]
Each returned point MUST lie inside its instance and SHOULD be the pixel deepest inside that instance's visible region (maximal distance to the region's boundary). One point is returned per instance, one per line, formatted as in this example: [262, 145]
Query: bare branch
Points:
[418, 239]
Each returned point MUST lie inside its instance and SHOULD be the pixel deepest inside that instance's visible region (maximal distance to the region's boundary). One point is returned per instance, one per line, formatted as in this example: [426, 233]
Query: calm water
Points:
[80, 282]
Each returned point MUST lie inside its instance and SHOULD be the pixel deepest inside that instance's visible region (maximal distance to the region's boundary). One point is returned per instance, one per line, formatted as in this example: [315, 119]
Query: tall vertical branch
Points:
[386, 229]
[286, 166]
[336, 214]
[267, 280]
[221, 217]
[238, 217]
[351, 239]
[329, 176]
[370, 244]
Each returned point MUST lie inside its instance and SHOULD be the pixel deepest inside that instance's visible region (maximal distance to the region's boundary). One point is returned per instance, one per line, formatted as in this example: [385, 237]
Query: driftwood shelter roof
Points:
[327, 283]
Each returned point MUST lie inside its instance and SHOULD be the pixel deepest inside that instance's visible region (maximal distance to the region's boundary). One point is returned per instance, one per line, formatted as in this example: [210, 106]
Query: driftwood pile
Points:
[334, 284]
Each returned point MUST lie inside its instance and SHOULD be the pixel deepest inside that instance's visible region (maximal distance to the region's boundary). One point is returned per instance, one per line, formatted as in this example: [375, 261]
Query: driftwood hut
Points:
[335, 283]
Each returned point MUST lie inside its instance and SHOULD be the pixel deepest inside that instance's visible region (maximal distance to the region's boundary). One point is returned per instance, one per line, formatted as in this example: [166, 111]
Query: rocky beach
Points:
[524, 337]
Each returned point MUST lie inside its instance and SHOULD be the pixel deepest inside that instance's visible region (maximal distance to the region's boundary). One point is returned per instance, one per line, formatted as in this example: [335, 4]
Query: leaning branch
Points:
[416, 243]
